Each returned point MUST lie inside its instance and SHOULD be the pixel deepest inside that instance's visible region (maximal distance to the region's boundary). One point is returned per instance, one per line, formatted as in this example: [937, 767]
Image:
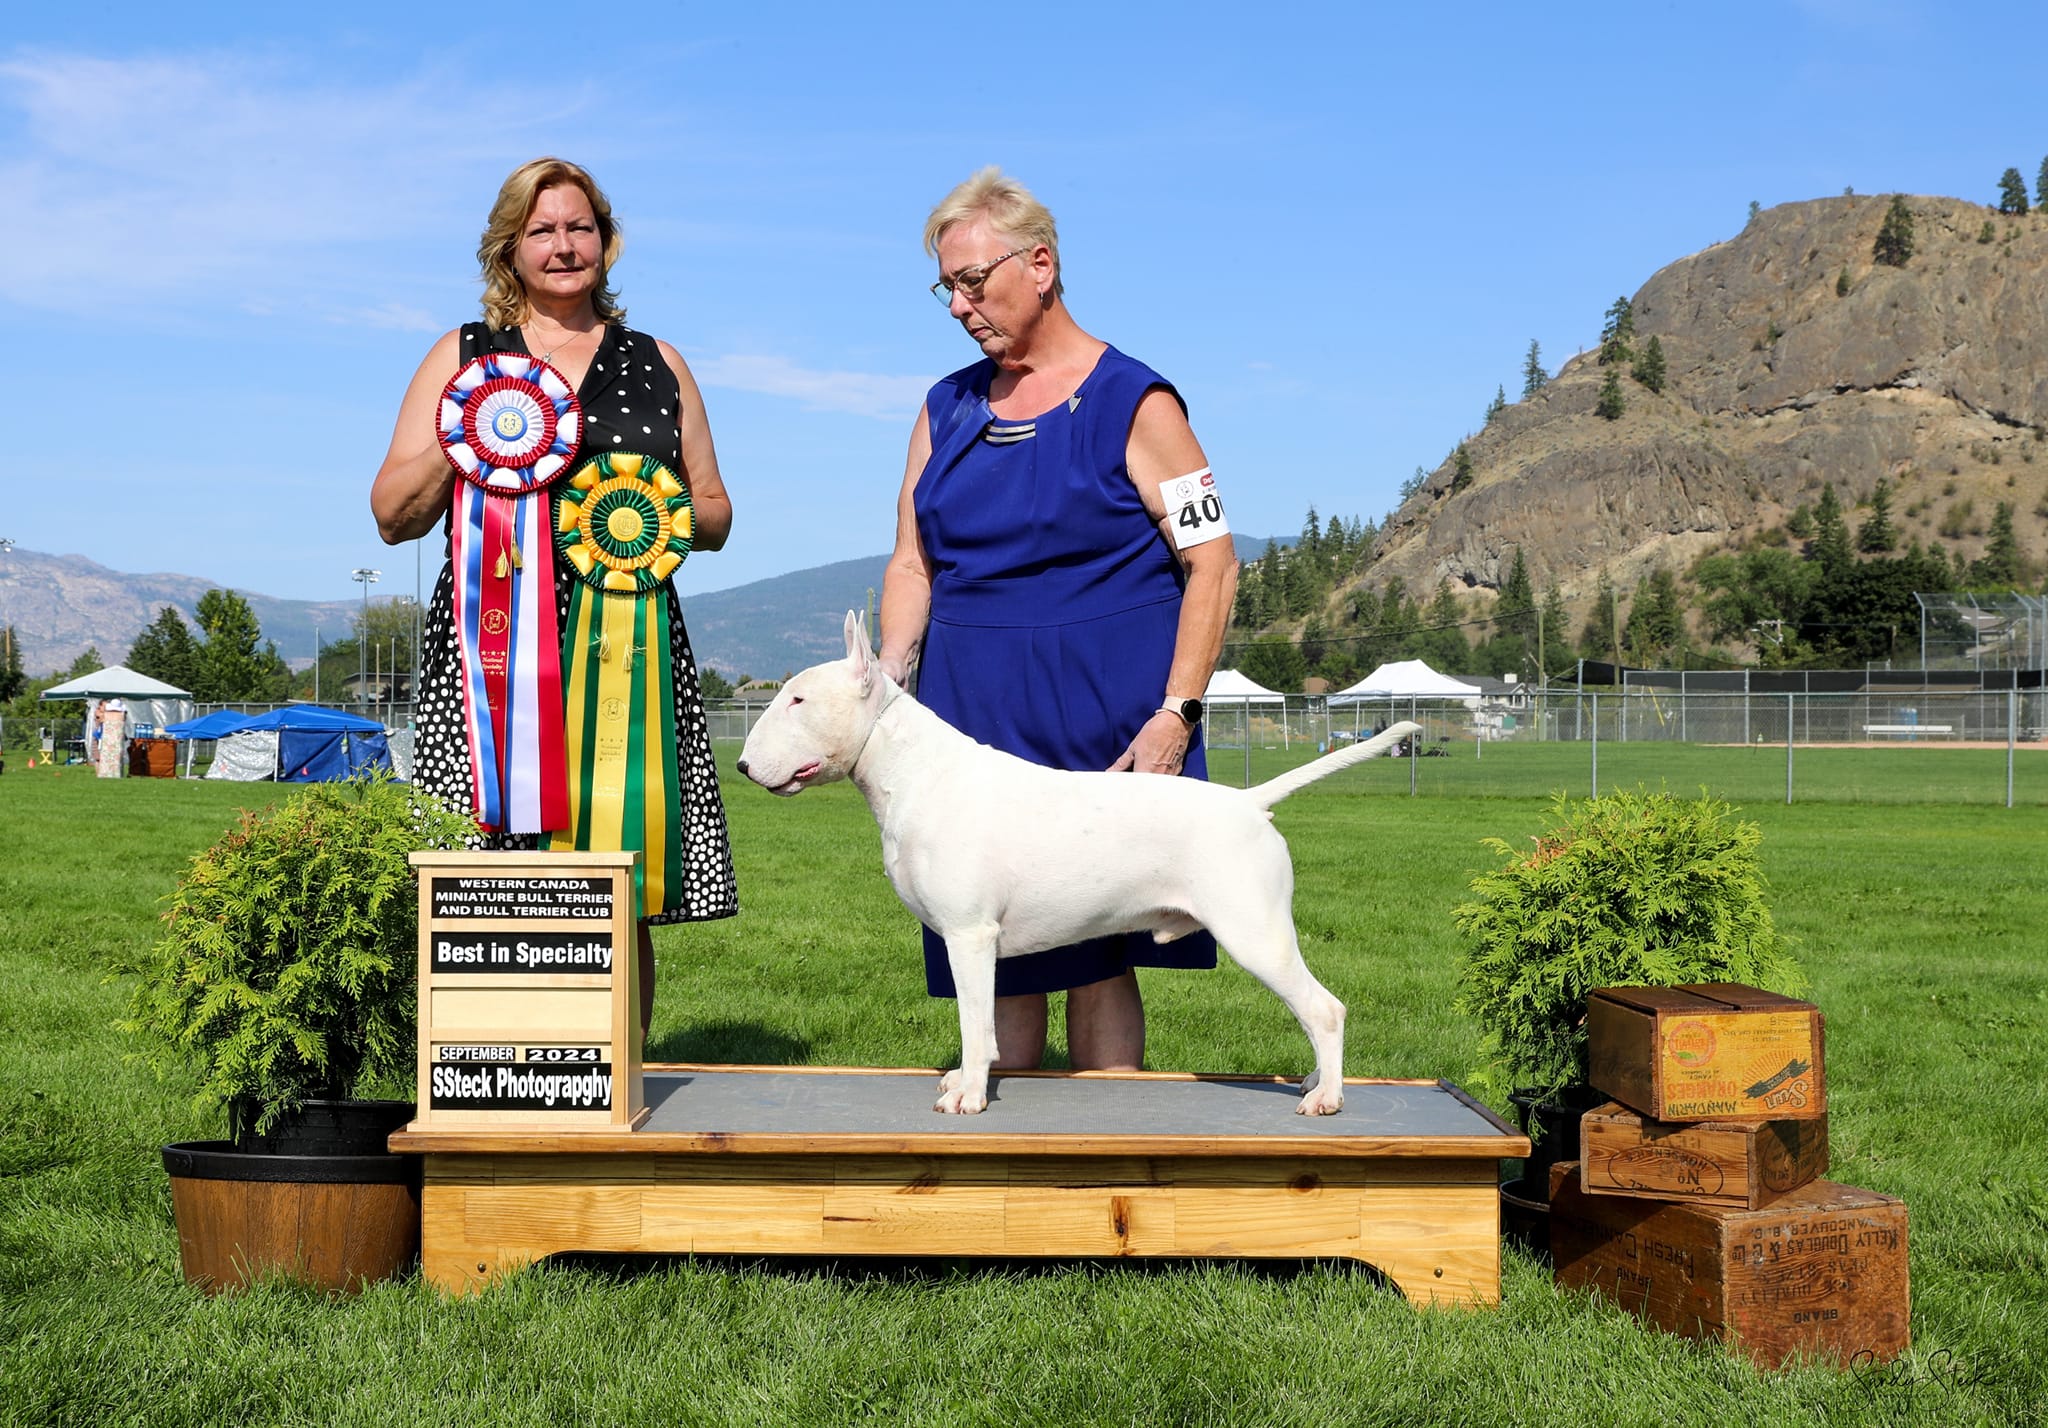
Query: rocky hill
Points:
[1793, 358]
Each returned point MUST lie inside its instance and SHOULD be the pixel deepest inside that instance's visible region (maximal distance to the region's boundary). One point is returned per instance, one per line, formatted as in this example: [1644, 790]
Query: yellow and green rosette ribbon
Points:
[624, 524]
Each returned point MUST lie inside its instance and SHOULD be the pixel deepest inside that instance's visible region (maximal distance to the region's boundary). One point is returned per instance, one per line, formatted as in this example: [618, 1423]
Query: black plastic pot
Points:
[320, 1127]
[1525, 1218]
[1552, 1125]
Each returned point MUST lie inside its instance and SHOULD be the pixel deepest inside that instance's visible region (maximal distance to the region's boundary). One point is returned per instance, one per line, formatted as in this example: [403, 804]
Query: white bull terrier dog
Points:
[1002, 857]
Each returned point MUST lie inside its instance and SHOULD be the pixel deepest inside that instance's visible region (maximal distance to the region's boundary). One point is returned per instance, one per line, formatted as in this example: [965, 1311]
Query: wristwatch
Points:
[1189, 710]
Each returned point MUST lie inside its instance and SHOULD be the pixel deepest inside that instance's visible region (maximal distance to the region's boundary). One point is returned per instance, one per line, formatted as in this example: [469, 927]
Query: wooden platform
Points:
[832, 1161]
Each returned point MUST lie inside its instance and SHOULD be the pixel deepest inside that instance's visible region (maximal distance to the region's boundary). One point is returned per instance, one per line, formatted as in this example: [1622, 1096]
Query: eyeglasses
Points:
[971, 280]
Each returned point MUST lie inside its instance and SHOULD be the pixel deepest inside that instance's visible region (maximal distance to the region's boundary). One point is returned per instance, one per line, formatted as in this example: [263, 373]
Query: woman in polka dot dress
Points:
[546, 256]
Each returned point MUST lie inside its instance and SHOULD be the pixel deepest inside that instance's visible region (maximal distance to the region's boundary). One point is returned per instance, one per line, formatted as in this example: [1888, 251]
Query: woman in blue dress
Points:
[1058, 593]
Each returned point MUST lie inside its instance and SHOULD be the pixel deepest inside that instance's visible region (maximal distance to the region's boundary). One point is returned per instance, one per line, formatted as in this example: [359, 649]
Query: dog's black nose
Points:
[743, 768]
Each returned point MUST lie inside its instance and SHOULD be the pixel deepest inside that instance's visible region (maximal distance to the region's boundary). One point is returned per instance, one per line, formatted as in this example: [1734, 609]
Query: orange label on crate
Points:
[1739, 1064]
[1689, 1042]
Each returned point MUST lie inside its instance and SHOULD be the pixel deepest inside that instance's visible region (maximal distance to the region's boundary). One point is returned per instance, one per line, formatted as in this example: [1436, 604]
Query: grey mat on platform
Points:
[853, 1101]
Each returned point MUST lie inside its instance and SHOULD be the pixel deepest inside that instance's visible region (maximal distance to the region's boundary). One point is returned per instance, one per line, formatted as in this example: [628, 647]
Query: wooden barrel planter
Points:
[335, 1221]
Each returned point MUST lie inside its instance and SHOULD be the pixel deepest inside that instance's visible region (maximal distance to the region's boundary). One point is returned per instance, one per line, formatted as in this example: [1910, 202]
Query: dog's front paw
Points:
[1318, 1101]
[954, 1099]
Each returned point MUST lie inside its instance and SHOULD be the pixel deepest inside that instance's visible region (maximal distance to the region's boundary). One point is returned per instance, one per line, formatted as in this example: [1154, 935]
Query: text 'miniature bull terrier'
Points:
[1002, 857]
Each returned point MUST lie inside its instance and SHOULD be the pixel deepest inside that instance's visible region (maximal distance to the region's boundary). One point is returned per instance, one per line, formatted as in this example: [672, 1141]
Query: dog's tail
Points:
[1273, 790]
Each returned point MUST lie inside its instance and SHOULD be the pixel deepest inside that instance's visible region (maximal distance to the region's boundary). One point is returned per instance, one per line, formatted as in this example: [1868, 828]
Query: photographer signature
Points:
[1896, 1389]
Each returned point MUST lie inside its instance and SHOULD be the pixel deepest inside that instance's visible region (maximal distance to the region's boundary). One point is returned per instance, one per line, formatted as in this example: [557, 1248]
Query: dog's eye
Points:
[795, 699]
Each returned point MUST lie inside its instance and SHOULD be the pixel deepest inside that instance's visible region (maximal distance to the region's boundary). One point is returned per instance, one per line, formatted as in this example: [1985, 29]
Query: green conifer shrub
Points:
[1629, 889]
[289, 958]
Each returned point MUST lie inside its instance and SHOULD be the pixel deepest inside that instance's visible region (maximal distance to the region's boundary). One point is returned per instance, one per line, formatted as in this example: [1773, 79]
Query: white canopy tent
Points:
[149, 701]
[1405, 679]
[1229, 686]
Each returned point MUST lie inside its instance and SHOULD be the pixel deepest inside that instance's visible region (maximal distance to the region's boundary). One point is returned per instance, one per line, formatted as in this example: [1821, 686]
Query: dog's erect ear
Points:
[858, 654]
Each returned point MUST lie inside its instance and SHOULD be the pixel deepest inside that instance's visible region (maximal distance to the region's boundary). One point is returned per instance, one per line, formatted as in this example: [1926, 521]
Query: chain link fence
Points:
[1893, 746]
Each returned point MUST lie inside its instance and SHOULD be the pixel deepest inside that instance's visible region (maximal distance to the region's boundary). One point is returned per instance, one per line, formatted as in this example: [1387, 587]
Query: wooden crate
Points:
[152, 758]
[1712, 1052]
[1743, 1165]
[1820, 1272]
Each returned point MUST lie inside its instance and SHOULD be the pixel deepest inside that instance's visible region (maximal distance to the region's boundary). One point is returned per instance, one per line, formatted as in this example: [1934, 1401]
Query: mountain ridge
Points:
[1793, 358]
[62, 605]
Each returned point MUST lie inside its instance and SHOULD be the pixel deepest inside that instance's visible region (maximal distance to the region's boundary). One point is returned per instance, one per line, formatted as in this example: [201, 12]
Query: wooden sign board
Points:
[529, 1015]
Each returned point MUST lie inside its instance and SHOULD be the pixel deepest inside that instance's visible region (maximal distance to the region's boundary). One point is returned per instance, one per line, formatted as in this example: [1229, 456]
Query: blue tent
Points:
[317, 745]
[208, 726]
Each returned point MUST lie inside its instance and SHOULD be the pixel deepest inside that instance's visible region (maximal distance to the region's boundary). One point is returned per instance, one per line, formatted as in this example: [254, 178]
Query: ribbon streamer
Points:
[509, 425]
[625, 523]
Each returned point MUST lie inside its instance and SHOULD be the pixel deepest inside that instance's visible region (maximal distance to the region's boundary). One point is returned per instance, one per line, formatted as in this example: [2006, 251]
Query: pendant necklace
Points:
[548, 356]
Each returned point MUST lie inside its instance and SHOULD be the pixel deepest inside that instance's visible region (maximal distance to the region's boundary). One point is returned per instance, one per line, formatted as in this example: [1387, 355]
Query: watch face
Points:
[1191, 710]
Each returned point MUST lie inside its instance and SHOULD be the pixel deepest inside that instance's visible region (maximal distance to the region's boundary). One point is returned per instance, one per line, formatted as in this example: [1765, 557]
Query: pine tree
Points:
[1298, 579]
[229, 668]
[1275, 661]
[1649, 368]
[1831, 550]
[1596, 639]
[1365, 608]
[1550, 631]
[1894, 245]
[1877, 534]
[1442, 642]
[166, 650]
[1656, 618]
[12, 680]
[1514, 612]
[1616, 332]
[2000, 565]
[2041, 185]
[1842, 282]
[1754, 209]
[1461, 467]
[1988, 233]
[1246, 611]
[1398, 615]
[1315, 640]
[1534, 378]
[2012, 192]
[1611, 404]
[1498, 405]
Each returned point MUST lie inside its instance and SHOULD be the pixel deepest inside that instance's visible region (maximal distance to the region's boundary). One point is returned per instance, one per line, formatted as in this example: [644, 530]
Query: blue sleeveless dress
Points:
[1055, 605]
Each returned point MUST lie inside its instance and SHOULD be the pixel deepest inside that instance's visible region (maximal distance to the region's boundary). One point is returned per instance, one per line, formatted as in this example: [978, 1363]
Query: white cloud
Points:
[857, 393]
[224, 181]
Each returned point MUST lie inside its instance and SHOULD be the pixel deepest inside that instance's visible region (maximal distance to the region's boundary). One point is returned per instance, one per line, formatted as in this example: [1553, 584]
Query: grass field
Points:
[1920, 923]
[1754, 774]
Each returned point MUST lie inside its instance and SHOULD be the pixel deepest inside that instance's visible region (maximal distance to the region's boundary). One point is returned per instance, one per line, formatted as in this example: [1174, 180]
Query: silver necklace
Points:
[549, 355]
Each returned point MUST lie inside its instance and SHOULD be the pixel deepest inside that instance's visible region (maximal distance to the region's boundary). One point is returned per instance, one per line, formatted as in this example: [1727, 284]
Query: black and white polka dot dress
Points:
[629, 402]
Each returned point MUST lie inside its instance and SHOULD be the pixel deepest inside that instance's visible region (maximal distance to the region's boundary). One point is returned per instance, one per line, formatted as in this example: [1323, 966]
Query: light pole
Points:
[6, 646]
[366, 578]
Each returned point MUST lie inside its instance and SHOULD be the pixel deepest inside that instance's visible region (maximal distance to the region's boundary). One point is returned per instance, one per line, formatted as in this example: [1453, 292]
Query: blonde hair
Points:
[1009, 208]
[505, 304]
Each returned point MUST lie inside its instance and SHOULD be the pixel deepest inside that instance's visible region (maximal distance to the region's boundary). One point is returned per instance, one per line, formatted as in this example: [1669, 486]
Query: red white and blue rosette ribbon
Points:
[509, 425]
[510, 422]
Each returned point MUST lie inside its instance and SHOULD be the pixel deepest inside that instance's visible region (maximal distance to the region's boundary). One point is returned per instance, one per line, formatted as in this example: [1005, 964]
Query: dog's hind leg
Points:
[972, 957]
[1265, 945]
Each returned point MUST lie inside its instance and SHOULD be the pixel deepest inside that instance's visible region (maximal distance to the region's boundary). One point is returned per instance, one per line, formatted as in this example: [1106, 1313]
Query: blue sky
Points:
[237, 228]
